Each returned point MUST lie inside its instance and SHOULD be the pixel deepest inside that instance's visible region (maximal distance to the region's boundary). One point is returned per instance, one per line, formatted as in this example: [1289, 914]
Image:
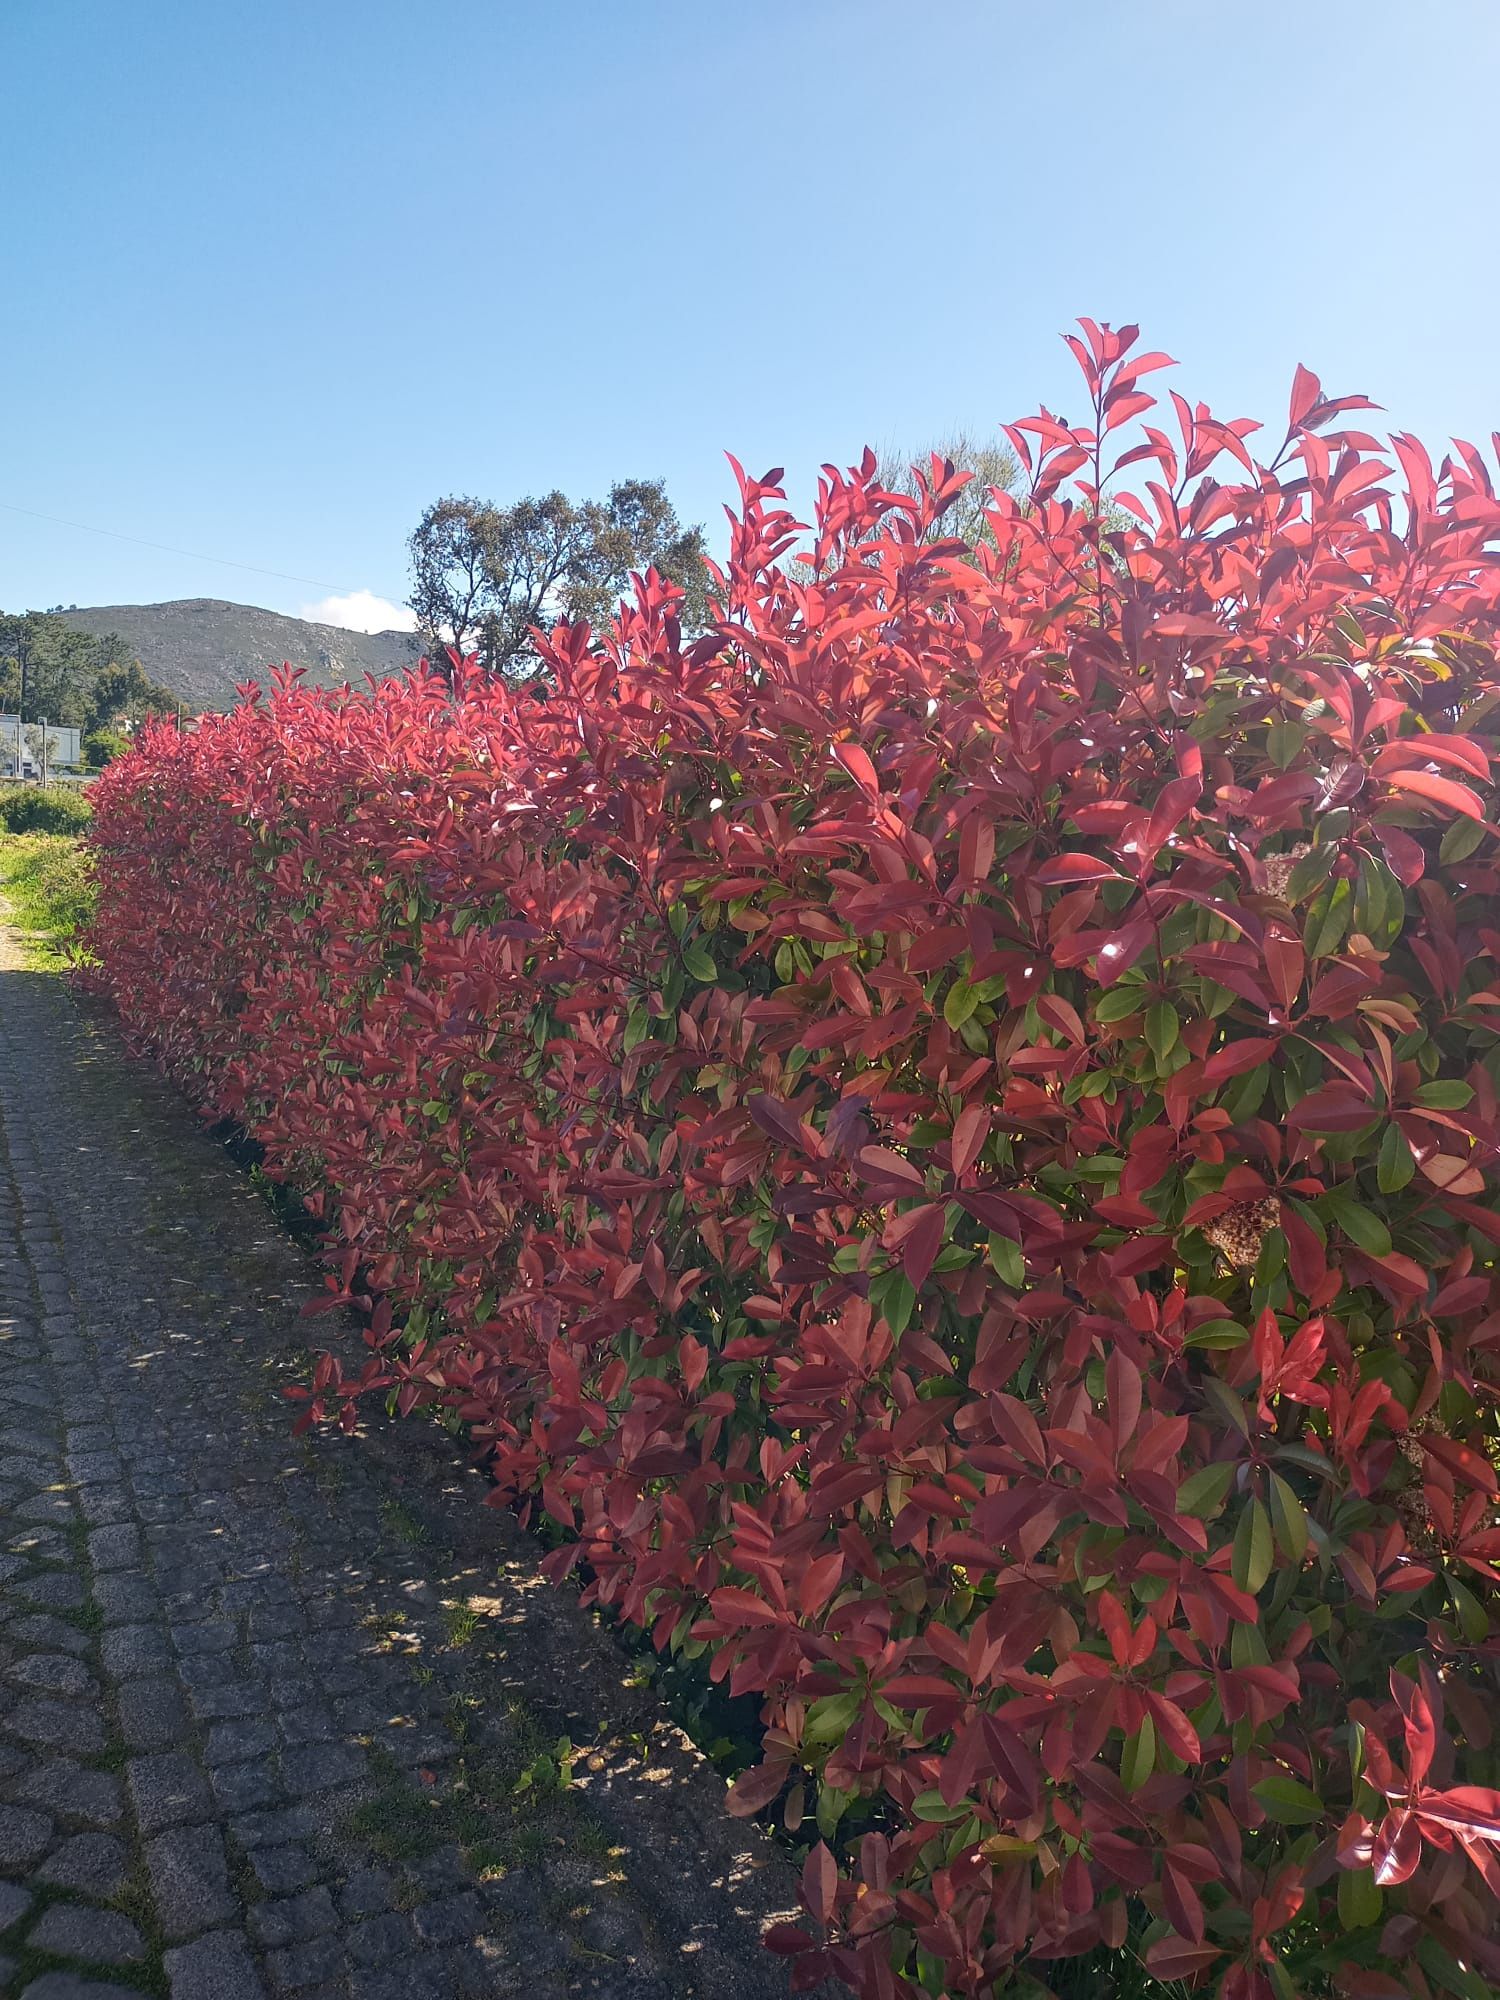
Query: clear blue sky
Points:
[278, 273]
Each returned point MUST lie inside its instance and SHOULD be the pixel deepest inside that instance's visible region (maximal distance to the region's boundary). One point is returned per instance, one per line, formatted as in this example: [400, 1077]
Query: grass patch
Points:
[47, 884]
[460, 1623]
[401, 1524]
[507, 1807]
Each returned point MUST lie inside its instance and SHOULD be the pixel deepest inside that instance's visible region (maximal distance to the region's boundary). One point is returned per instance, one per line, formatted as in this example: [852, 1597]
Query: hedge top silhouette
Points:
[947, 1130]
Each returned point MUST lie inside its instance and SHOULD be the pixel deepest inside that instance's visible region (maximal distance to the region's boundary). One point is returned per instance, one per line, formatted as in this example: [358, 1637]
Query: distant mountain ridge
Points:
[203, 647]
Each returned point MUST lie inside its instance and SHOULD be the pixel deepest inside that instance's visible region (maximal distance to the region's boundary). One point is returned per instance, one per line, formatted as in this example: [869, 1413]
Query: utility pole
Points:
[44, 753]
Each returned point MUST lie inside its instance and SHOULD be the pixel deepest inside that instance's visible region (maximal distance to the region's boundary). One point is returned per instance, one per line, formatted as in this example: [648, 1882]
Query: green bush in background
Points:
[44, 809]
[102, 745]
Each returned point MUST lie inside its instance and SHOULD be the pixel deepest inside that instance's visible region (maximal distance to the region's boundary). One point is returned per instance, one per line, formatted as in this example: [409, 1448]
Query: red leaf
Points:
[1173, 1958]
[1442, 791]
[880, 1163]
[753, 1790]
[820, 1878]
[920, 1691]
[1467, 1809]
[819, 1582]
[1397, 1849]
[922, 1243]
[1173, 1727]
[789, 1940]
[1421, 1728]
[1335, 1107]
[1466, 1464]
[1462, 751]
[1307, 391]
[970, 1130]
[1180, 626]
[1183, 1906]
[858, 765]
[1074, 868]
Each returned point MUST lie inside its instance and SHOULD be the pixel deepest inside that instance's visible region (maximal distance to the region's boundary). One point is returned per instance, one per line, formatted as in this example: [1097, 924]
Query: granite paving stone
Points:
[126, 1597]
[95, 1864]
[379, 1939]
[451, 1919]
[242, 1787]
[290, 1918]
[153, 1712]
[74, 1792]
[56, 1725]
[23, 1836]
[134, 1649]
[230, 1742]
[14, 1903]
[190, 1880]
[295, 1967]
[219, 1967]
[283, 1869]
[53, 1589]
[53, 1673]
[36, 1628]
[168, 1789]
[101, 1937]
[75, 1986]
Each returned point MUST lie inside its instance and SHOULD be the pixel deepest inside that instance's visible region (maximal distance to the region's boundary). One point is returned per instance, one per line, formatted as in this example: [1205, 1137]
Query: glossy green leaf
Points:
[830, 1718]
[1440, 1965]
[1444, 1094]
[1309, 874]
[1202, 1492]
[1119, 1002]
[1473, 1619]
[894, 1298]
[935, 1810]
[1218, 1333]
[960, 1002]
[1254, 1549]
[1361, 1225]
[1397, 1163]
[1007, 1262]
[1460, 840]
[1138, 1758]
[1288, 1801]
[1379, 901]
[1288, 1519]
[1329, 919]
[1162, 1029]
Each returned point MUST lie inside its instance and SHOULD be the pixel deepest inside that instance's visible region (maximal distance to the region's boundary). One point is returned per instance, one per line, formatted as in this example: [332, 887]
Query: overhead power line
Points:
[166, 548]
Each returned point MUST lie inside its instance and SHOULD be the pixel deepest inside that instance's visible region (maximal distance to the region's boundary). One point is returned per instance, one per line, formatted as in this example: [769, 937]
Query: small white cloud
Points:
[361, 611]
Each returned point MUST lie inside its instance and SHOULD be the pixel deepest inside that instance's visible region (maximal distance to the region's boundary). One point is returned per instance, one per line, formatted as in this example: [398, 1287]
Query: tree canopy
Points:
[992, 465]
[50, 669]
[483, 576]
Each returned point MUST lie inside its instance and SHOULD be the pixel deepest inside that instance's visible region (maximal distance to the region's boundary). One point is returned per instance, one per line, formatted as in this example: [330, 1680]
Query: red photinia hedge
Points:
[948, 1130]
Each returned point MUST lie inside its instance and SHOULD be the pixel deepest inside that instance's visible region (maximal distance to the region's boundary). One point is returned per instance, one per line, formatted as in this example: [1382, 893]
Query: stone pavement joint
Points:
[277, 1716]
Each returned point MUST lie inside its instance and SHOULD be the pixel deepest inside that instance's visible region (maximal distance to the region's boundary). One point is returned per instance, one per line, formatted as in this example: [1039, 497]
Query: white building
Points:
[21, 747]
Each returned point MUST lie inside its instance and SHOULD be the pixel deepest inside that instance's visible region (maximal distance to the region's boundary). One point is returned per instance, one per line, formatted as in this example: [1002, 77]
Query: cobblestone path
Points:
[280, 1716]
